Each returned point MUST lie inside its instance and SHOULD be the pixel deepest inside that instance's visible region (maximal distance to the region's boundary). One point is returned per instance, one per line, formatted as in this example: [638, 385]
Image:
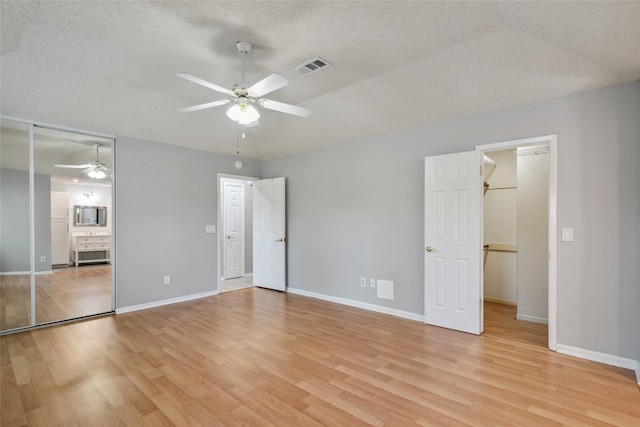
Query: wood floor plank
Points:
[258, 357]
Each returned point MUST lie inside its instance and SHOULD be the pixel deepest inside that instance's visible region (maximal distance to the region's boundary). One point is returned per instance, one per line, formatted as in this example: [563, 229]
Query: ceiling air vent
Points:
[312, 65]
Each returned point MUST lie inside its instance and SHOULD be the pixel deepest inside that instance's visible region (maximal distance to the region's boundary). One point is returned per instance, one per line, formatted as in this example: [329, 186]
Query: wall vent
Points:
[312, 65]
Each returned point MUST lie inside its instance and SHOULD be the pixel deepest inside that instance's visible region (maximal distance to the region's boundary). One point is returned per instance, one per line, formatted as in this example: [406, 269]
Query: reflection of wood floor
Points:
[265, 358]
[500, 322]
[65, 294]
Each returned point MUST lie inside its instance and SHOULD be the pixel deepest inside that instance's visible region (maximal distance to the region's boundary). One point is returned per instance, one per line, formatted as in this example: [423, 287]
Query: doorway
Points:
[515, 234]
[235, 237]
[519, 229]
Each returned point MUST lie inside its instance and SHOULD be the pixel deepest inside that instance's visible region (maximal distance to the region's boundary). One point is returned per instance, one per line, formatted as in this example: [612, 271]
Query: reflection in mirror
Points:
[15, 260]
[89, 215]
[55, 282]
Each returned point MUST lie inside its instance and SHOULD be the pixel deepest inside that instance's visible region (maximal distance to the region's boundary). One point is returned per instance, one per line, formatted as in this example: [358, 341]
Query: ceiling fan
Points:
[242, 97]
[96, 170]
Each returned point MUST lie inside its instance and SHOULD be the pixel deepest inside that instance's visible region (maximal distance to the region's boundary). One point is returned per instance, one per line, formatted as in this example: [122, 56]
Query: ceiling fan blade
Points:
[268, 84]
[285, 108]
[199, 81]
[74, 166]
[203, 106]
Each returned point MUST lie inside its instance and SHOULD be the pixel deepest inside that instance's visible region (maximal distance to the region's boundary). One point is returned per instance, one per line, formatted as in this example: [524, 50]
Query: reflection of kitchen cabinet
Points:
[59, 228]
[93, 248]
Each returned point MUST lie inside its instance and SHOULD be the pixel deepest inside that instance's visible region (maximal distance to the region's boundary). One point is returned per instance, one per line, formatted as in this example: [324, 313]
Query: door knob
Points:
[282, 239]
[430, 249]
[229, 236]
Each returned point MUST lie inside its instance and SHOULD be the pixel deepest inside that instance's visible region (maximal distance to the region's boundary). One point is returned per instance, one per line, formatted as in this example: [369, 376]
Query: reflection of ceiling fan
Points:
[97, 169]
[242, 97]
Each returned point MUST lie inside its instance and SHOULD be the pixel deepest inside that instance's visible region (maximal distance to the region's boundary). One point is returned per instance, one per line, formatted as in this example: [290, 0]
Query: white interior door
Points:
[269, 239]
[233, 229]
[453, 250]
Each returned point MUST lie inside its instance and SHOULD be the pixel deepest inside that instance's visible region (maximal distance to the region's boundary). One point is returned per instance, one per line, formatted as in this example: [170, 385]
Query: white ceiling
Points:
[109, 66]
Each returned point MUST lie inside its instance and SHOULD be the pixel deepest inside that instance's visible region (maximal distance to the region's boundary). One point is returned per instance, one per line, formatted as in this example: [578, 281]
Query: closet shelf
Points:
[500, 247]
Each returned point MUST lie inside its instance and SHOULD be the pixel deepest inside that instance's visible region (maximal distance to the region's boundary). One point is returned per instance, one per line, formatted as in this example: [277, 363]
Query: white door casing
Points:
[552, 142]
[269, 239]
[233, 218]
[453, 249]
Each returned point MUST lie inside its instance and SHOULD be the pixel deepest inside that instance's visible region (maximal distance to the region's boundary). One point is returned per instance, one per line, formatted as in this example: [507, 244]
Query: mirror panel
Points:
[44, 276]
[75, 279]
[15, 252]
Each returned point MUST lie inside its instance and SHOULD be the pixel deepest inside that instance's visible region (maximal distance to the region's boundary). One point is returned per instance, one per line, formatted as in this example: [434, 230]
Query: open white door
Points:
[269, 239]
[453, 250]
[233, 229]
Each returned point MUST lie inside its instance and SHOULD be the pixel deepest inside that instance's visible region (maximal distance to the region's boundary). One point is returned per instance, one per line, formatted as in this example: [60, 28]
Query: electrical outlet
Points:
[372, 283]
[363, 282]
[167, 280]
[42, 259]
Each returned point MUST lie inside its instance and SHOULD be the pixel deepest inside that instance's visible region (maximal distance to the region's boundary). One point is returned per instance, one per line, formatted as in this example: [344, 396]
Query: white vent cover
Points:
[312, 65]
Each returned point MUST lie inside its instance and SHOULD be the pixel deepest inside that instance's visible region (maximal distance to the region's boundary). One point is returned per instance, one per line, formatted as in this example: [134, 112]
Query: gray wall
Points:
[14, 221]
[357, 211]
[165, 195]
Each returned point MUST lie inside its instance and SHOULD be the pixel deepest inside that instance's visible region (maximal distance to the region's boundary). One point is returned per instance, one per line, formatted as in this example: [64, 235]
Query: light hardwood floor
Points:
[265, 358]
[236, 284]
[500, 322]
[65, 294]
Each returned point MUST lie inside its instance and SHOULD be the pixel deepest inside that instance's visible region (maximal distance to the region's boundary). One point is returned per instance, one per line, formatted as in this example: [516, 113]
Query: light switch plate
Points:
[210, 229]
[567, 234]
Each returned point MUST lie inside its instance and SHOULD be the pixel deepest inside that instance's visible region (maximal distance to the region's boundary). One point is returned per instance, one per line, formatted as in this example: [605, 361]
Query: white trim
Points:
[552, 142]
[25, 273]
[219, 222]
[32, 224]
[164, 302]
[595, 356]
[42, 273]
[15, 273]
[638, 372]
[58, 127]
[359, 304]
[501, 301]
[532, 319]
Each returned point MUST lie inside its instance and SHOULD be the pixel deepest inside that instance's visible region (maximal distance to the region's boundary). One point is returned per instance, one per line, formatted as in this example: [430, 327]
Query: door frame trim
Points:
[552, 142]
[219, 222]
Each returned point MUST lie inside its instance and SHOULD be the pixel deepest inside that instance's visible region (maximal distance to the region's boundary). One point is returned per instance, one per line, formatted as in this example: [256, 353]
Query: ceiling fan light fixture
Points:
[96, 174]
[243, 113]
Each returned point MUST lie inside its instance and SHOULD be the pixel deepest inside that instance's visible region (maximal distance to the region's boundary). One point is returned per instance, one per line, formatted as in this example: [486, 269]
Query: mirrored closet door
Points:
[56, 224]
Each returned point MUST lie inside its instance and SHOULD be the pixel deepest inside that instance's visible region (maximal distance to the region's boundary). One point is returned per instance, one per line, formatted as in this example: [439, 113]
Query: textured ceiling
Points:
[109, 66]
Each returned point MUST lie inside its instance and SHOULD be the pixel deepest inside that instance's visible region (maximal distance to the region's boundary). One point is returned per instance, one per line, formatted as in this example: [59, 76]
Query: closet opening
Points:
[516, 257]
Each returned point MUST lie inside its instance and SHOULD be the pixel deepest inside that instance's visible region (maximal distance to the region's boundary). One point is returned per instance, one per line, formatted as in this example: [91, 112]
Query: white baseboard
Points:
[533, 319]
[25, 273]
[144, 306]
[501, 301]
[595, 356]
[359, 304]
